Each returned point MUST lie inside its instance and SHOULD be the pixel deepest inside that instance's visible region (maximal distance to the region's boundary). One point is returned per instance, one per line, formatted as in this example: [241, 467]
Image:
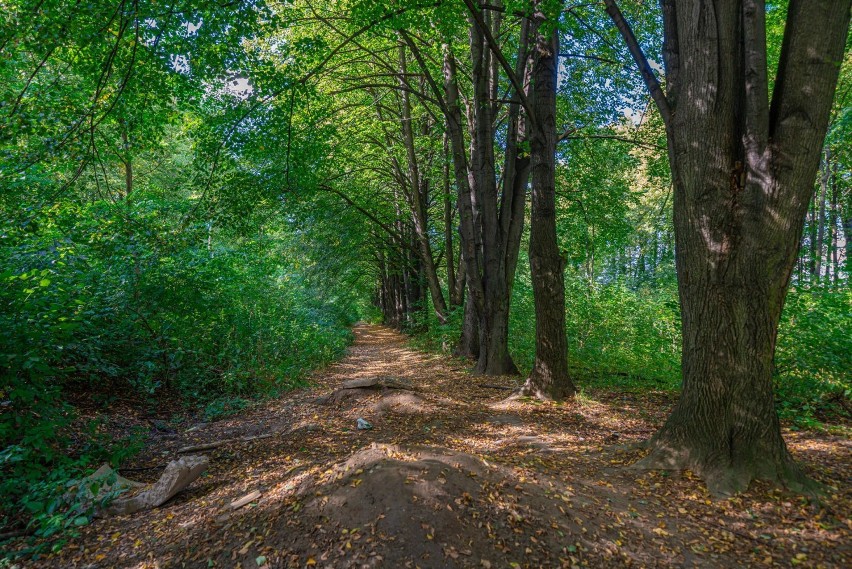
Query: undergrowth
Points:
[626, 338]
[93, 300]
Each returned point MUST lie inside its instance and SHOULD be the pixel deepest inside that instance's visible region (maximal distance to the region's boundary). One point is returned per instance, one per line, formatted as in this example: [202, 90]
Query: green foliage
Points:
[105, 297]
[814, 357]
[145, 247]
[629, 338]
[431, 335]
[224, 407]
[166, 235]
[616, 335]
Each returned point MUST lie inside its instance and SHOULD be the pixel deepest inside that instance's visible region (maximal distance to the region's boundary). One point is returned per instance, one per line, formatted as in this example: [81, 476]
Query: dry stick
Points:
[217, 444]
[245, 500]
[498, 53]
[15, 533]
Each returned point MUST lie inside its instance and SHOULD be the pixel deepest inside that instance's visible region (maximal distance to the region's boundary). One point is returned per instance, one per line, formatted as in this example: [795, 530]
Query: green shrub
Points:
[612, 330]
[629, 338]
[106, 298]
[814, 356]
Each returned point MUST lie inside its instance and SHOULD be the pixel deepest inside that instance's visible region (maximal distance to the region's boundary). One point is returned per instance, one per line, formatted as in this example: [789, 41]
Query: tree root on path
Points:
[217, 444]
[15, 533]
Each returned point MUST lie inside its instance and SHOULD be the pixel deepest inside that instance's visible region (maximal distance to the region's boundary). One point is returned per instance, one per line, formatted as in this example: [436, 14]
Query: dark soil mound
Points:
[387, 506]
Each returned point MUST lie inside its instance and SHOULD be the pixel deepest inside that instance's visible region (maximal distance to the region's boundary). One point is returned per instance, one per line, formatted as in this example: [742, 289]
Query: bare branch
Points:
[611, 137]
[648, 76]
[498, 53]
[366, 213]
[594, 57]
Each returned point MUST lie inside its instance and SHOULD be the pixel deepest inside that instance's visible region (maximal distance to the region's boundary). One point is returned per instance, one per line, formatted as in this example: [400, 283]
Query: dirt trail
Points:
[450, 475]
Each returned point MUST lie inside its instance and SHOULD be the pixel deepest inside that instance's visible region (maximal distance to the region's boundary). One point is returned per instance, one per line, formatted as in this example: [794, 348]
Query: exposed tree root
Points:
[725, 478]
[217, 444]
[555, 393]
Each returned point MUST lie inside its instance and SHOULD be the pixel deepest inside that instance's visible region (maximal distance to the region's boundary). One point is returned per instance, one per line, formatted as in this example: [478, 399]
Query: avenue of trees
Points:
[198, 198]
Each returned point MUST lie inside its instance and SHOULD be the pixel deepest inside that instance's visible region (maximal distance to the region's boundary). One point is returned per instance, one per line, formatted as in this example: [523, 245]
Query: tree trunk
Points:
[415, 283]
[744, 176]
[812, 238]
[549, 378]
[127, 160]
[417, 198]
[128, 189]
[468, 346]
[823, 195]
[486, 248]
[455, 293]
[847, 232]
[833, 240]
[494, 358]
[493, 312]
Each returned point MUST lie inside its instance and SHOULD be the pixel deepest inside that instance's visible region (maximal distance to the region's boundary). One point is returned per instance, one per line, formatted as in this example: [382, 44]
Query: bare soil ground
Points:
[452, 475]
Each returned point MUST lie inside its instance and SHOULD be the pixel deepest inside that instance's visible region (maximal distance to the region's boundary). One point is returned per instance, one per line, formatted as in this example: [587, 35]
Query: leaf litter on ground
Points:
[452, 474]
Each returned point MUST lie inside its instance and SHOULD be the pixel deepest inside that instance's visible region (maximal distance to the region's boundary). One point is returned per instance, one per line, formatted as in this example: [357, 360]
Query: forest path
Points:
[451, 475]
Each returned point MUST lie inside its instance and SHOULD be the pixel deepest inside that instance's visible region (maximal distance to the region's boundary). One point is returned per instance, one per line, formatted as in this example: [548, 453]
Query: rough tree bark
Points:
[417, 198]
[468, 345]
[490, 219]
[490, 228]
[493, 306]
[489, 224]
[549, 378]
[468, 228]
[744, 173]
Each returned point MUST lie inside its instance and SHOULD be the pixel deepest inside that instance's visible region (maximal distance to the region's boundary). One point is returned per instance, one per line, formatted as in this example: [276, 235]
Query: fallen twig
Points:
[376, 383]
[217, 444]
[15, 533]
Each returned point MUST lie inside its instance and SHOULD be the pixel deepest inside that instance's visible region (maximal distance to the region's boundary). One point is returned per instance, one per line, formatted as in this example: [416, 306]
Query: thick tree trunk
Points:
[494, 358]
[549, 378]
[486, 251]
[468, 346]
[725, 427]
[460, 283]
[744, 176]
[416, 285]
[493, 312]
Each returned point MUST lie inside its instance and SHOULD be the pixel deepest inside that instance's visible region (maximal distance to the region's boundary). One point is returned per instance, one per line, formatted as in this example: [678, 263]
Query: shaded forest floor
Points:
[452, 475]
